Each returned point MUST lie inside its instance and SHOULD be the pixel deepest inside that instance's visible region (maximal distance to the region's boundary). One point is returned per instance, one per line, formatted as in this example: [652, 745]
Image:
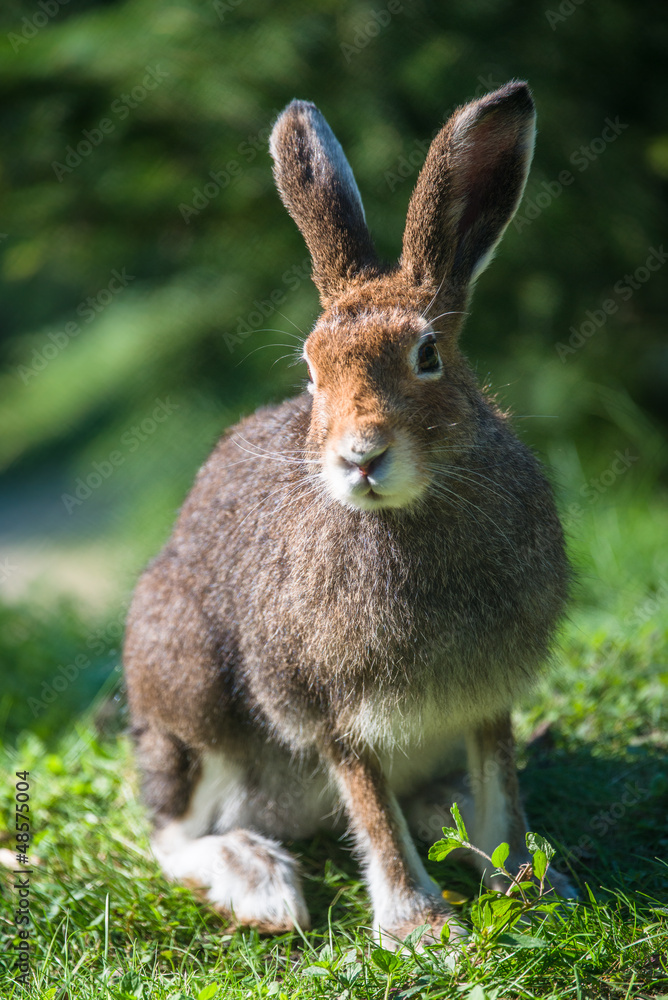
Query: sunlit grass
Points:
[593, 741]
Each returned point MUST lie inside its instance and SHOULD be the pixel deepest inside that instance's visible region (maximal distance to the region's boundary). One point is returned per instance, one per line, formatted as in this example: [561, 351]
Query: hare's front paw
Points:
[436, 915]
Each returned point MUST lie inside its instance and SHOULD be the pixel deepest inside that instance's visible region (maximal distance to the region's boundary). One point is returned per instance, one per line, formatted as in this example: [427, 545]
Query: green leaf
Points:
[500, 855]
[208, 992]
[350, 973]
[539, 863]
[412, 940]
[459, 822]
[445, 933]
[315, 970]
[387, 961]
[537, 843]
[132, 986]
[496, 911]
[442, 848]
[326, 954]
[521, 941]
[557, 906]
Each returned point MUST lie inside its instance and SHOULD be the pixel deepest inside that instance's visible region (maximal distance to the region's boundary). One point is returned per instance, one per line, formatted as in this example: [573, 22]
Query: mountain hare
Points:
[362, 579]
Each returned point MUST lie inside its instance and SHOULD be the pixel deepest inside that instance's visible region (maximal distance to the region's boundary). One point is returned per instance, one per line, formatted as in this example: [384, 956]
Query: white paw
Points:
[392, 931]
[246, 876]
[258, 882]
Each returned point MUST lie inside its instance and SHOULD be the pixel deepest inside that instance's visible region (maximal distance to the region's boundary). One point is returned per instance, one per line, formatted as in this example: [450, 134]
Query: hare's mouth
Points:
[389, 478]
[371, 498]
[368, 492]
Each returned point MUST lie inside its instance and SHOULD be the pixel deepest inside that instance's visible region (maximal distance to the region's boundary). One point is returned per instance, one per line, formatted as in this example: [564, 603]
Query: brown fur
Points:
[276, 616]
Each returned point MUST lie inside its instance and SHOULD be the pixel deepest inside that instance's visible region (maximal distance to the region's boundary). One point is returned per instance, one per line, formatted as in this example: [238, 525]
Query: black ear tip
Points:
[515, 93]
[297, 119]
[297, 108]
[298, 105]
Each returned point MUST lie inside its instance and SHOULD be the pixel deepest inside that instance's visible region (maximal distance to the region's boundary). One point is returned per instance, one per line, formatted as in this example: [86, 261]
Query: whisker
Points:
[459, 476]
[434, 297]
[290, 451]
[444, 491]
[259, 452]
[451, 312]
[284, 356]
[268, 497]
[304, 335]
[272, 458]
[274, 329]
[263, 347]
[442, 449]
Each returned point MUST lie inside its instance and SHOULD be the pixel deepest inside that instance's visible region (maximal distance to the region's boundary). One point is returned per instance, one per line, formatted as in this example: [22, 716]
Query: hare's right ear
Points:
[319, 191]
[468, 190]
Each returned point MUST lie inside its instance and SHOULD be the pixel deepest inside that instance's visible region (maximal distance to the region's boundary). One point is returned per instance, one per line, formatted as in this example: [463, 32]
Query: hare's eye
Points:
[428, 360]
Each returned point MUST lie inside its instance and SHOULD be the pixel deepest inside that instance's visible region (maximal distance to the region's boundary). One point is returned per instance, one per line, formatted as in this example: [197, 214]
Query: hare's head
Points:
[392, 395]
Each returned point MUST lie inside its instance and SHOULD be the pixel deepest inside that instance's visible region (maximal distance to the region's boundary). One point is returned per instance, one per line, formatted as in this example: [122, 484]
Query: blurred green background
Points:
[152, 281]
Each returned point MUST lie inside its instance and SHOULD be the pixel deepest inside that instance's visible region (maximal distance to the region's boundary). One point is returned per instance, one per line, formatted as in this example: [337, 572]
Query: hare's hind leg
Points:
[201, 838]
[498, 814]
[247, 876]
[492, 778]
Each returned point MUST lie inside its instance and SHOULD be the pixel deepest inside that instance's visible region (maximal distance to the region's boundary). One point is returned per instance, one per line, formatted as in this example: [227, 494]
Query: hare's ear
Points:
[319, 191]
[469, 188]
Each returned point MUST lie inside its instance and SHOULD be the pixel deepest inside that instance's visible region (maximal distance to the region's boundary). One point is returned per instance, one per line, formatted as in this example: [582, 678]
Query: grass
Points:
[593, 741]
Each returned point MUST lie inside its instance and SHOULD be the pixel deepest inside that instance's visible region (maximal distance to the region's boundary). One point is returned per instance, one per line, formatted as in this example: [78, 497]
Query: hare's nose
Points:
[366, 462]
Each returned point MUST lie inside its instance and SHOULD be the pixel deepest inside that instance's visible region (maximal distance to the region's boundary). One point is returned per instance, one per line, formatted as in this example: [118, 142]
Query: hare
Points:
[364, 578]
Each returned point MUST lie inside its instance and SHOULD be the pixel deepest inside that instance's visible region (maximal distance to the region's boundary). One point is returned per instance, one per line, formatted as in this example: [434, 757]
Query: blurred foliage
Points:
[76, 209]
[148, 266]
[58, 664]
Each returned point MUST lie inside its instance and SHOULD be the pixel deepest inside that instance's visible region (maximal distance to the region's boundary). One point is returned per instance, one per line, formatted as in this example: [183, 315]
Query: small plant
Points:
[495, 913]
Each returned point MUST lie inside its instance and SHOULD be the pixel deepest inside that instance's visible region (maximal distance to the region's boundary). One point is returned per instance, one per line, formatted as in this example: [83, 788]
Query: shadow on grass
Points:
[605, 815]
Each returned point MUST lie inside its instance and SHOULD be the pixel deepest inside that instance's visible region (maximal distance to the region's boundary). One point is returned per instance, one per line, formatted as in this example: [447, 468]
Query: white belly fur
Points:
[293, 798]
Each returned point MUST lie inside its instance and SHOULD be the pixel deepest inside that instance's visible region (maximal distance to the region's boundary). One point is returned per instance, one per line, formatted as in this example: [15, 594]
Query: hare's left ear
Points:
[469, 188]
[319, 191]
